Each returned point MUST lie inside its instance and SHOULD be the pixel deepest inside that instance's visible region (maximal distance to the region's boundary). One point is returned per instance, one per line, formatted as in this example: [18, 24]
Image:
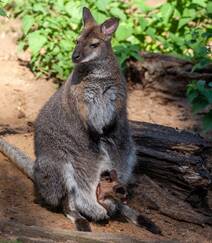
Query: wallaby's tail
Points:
[136, 218]
[23, 162]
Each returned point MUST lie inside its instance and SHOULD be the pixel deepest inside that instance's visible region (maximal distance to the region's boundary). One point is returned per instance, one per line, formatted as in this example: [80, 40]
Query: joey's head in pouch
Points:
[94, 41]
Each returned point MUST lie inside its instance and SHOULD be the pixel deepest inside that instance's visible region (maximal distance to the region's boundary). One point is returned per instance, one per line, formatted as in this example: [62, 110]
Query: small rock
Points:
[21, 114]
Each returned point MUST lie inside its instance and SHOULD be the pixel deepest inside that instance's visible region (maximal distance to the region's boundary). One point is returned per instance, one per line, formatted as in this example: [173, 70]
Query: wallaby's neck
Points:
[107, 67]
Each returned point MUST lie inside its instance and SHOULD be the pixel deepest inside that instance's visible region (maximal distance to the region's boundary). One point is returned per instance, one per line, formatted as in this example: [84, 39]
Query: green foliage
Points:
[2, 12]
[200, 96]
[51, 27]
[2, 4]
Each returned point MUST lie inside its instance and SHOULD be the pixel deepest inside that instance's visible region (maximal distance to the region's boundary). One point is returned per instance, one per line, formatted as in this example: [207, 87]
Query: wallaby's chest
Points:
[101, 105]
[96, 103]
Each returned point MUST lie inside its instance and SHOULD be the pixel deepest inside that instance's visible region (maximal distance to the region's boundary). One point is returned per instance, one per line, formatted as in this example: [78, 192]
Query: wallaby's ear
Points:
[109, 27]
[88, 19]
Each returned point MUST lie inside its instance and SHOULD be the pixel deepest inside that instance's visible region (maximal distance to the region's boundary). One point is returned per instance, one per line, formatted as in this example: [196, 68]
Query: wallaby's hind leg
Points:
[48, 182]
[76, 218]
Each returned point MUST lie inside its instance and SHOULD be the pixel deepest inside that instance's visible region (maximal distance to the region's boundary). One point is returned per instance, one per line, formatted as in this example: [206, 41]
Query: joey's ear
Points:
[88, 19]
[109, 27]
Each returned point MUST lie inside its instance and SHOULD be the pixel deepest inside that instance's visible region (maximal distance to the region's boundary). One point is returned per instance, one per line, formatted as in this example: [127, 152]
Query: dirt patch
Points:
[22, 95]
[150, 107]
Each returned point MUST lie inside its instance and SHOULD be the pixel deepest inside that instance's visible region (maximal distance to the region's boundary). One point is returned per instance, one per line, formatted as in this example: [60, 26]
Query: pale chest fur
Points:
[97, 105]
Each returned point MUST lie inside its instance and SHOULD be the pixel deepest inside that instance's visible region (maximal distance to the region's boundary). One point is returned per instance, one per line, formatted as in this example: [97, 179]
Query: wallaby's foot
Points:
[136, 218]
[143, 221]
[81, 223]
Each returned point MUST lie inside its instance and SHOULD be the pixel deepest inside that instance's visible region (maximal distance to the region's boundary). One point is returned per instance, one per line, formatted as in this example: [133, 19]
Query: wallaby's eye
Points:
[77, 42]
[94, 45]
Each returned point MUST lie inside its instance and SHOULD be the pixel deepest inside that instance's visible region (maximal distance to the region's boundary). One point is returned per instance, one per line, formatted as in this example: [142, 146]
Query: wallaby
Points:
[82, 130]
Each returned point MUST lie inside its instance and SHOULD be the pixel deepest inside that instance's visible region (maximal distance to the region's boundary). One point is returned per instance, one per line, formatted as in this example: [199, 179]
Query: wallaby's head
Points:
[94, 40]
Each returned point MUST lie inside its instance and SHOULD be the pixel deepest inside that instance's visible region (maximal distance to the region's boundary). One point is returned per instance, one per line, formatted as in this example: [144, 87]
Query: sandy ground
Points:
[21, 96]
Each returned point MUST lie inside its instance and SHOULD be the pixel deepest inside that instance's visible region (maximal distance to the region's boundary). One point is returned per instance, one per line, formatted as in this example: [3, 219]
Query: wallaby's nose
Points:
[75, 56]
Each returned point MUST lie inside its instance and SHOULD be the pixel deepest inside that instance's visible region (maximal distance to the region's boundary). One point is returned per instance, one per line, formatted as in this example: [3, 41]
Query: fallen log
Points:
[177, 170]
[25, 233]
[165, 73]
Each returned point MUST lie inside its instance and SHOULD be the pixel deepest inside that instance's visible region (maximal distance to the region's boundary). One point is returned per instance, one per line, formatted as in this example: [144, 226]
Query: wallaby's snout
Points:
[75, 56]
[94, 41]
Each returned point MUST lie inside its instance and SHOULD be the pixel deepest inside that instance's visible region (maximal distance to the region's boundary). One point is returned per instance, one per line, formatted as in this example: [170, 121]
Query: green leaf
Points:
[142, 5]
[151, 32]
[66, 45]
[99, 17]
[123, 31]
[2, 12]
[74, 11]
[192, 95]
[102, 4]
[208, 94]
[59, 5]
[189, 12]
[209, 8]
[207, 121]
[38, 7]
[27, 23]
[199, 103]
[36, 41]
[201, 86]
[143, 23]
[183, 21]
[201, 3]
[118, 13]
[166, 11]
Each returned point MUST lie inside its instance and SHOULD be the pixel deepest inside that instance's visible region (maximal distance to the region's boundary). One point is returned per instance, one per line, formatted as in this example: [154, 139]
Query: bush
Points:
[200, 96]
[2, 4]
[51, 27]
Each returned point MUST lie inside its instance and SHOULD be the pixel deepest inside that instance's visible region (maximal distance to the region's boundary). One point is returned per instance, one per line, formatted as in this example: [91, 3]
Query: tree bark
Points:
[177, 169]
[24, 233]
[165, 73]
